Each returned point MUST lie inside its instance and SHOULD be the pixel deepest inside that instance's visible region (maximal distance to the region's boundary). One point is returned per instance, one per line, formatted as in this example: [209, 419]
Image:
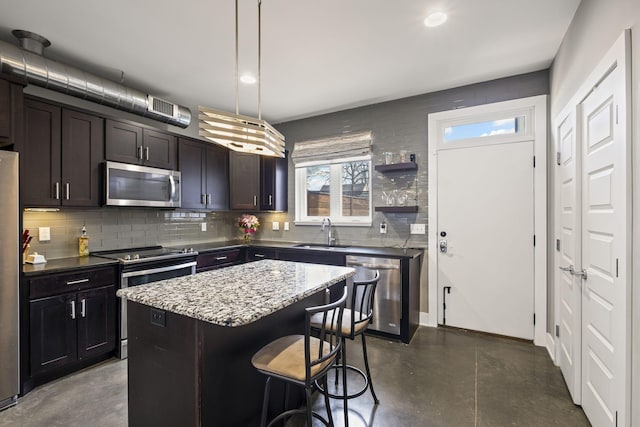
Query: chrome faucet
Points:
[331, 241]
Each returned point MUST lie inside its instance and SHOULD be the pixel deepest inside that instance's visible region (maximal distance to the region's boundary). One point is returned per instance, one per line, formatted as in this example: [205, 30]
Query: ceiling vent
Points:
[27, 62]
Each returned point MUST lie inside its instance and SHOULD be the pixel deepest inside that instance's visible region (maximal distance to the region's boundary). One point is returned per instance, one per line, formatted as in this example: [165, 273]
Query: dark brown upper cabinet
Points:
[244, 180]
[61, 160]
[11, 108]
[128, 143]
[204, 169]
[273, 183]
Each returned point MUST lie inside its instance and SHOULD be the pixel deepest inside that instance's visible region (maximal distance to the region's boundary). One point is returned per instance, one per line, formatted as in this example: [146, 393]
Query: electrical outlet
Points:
[275, 226]
[383, 228]
[418, 229]
[203, 226]
[44, 234]
[286, 226]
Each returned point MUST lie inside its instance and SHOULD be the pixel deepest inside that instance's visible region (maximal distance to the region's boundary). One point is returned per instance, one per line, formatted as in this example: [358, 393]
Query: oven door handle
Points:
[158, 270]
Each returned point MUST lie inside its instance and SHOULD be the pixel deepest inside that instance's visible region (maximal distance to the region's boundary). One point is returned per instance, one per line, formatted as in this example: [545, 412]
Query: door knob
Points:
[443, 246]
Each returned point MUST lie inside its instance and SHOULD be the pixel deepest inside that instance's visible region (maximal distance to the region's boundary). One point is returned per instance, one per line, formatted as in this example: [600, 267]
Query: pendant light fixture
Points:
[238, 132]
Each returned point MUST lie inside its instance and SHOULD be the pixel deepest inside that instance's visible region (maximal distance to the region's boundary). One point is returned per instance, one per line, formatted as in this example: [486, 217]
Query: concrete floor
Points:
[443, 378]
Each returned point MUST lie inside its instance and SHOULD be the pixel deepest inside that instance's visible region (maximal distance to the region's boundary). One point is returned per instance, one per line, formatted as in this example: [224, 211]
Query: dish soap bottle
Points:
[83, 243]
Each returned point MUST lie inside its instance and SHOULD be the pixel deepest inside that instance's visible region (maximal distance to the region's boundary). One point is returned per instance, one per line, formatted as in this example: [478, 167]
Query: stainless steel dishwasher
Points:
[387, 309]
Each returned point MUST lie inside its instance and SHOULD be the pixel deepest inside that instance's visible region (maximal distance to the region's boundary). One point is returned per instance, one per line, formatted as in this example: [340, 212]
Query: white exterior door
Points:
[605, 234]
[486, 221]
[569, 258]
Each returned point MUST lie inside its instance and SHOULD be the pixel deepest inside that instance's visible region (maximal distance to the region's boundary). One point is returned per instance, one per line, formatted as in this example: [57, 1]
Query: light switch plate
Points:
[44, 234]
[275, 226]
[418, 229]
[286, 226]
[203, 226]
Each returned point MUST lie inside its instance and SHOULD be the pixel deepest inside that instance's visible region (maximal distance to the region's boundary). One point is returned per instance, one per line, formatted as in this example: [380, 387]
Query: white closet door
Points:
[605, 228]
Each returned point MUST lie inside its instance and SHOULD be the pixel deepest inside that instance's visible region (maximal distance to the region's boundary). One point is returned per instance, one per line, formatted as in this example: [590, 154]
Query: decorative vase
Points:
[246, 237]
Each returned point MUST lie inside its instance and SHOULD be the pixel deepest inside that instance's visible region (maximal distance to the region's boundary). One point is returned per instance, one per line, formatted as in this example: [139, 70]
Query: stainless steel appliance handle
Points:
[173, 187]
[83, 307]
[158, 270]
[75, 282]
[73, 309]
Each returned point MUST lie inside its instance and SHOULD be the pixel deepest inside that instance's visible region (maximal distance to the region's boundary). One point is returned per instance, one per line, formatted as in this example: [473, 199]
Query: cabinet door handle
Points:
[220, 258]
[255, 200]
[140, 152]
[209, 199]
[146, 153]
[270, 200]
[57, 191]
[83, 307]
[203, 199]
[73, 309]
[67, 189]
[75, 282]
[259, 255]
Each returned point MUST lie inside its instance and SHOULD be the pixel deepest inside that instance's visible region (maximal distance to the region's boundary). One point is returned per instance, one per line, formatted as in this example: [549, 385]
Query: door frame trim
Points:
[436, 121]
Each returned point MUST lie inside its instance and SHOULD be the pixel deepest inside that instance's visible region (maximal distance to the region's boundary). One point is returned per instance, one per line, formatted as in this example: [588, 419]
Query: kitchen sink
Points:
[319, 246]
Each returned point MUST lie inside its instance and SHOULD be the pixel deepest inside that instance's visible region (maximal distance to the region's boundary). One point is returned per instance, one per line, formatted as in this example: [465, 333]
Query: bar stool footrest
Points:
[352, 395]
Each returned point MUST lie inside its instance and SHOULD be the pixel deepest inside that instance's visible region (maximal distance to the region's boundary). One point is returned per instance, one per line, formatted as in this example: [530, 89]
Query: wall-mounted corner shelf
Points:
[397, 209]
[407, 166]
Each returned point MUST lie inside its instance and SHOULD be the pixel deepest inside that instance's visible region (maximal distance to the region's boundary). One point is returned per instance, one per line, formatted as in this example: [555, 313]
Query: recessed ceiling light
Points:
[435, 19]
[247, 79]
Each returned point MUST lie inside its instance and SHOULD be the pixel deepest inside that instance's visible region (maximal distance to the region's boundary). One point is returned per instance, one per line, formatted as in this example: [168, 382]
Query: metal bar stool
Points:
[304, 359]
[355, 320]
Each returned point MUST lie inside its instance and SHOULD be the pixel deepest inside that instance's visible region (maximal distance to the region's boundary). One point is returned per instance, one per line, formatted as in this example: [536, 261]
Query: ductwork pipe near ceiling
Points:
[27, 62]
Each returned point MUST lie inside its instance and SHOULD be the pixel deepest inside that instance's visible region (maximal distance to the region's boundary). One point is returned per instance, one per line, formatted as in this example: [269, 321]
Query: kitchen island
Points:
[191, 339]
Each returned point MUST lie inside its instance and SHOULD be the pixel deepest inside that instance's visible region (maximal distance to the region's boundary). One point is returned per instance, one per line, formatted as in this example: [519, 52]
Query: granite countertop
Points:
[58, 265]
[238, 295]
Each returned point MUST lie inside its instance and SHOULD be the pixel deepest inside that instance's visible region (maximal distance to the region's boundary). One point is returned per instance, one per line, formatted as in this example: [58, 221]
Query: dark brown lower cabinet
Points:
[71, 327]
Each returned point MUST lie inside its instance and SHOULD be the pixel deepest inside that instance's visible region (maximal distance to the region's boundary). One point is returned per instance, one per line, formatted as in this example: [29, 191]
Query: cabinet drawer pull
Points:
[220, 258]
[67, 188]
[73, 310]
[75, 282]
[146, 153]
[140, 152]
[83, 307]
[259, 255]
[57, 191]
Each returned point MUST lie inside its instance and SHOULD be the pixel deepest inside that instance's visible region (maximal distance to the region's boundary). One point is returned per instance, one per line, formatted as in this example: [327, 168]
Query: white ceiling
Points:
[317, 55]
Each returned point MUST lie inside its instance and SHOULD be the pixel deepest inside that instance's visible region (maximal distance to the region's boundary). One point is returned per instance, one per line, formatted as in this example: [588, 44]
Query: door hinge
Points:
[616, 418]
[534, 240]
[534, 318]
[558, 245]
[558, 330]
[616, 113]
[534, 161]
[617, 267]
[558, 158]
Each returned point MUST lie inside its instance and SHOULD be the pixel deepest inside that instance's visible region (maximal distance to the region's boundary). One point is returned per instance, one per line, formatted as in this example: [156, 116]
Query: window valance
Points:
[351, 145]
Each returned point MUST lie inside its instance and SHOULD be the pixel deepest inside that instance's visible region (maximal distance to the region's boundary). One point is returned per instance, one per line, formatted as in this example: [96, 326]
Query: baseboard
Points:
[426, 320]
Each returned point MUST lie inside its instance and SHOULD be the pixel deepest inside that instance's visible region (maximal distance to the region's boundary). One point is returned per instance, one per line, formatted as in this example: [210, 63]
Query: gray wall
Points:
[395, 125]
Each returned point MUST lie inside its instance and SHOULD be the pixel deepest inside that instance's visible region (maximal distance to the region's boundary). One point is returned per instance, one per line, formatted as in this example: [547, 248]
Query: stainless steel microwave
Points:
[132, 185]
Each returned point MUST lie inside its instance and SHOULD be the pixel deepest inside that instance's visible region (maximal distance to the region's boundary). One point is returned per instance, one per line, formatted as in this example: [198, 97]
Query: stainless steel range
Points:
[139, 266]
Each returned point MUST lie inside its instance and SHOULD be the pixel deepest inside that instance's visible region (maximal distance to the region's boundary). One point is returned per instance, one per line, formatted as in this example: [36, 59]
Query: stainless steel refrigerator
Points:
[9, 279]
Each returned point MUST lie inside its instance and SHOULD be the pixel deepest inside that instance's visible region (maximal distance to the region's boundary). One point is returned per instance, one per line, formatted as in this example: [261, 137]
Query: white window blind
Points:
[327, 149]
